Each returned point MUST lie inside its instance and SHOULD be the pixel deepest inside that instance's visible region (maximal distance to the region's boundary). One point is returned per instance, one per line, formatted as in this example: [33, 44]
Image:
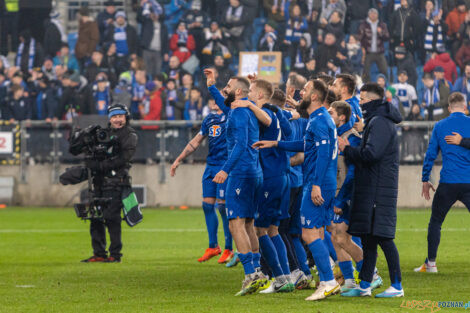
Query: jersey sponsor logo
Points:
[215, 131]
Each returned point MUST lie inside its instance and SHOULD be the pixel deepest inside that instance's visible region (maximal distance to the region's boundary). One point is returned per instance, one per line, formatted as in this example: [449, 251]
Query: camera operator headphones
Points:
[117, 109]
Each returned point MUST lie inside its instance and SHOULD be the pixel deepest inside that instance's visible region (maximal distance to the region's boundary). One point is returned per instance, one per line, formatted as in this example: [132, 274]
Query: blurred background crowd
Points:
[150, 57]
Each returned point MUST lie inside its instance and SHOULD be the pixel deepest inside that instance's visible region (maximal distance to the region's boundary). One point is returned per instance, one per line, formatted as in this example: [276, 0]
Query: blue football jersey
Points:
[298, 129]
[214, 127]
[321, 150]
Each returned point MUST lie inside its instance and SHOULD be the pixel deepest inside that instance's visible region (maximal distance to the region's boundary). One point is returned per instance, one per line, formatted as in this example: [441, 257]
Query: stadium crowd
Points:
[414, 49]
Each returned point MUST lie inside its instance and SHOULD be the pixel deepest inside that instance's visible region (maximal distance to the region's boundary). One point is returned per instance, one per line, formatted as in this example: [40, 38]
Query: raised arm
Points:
[190, 148]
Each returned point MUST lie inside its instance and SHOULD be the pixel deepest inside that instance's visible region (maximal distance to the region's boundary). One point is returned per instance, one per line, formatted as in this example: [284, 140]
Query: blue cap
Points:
[116, 112]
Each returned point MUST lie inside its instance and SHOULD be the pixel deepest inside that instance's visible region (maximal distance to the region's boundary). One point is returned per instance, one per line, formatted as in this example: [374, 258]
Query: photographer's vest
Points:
[342, 166]
[12, 6]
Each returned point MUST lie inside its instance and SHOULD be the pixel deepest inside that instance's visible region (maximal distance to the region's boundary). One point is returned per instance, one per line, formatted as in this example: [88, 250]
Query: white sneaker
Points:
[324, 291]
[427, 267]
[409, 158]
[279, 285]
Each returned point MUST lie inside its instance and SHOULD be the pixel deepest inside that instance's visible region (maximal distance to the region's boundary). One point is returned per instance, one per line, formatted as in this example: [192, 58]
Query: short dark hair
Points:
[297, 81]
[330, 97]
[320, 88]
[15, 88]
[349, 81]
[456, 99]
[373, 88]
[327, 79]
[278, 98]
[342, 108]
[243, 83]
[265, 86]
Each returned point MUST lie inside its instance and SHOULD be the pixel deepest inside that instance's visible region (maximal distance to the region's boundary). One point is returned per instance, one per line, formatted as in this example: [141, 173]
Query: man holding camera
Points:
[110, 178]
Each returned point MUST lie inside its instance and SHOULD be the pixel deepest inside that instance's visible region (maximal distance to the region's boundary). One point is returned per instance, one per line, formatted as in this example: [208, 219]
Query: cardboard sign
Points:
[267, 65]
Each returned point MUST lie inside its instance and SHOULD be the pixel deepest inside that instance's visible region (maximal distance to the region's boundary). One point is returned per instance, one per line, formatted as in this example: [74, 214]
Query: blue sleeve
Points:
[431, 155]
[294, 146]
[240, 119]
[345, 193]
[286, 127]
[321, 139]
[204, 130]
[219, 99]
[186, 112]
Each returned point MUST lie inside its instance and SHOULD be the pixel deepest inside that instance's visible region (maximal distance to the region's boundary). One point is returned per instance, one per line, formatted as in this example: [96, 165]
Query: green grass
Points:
[159, 273]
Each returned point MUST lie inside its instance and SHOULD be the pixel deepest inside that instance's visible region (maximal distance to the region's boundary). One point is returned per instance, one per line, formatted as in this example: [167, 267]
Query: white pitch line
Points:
[177, 230]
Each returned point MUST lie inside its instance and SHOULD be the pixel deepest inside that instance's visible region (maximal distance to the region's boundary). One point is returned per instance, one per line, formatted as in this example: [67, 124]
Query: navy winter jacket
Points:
[376, 160]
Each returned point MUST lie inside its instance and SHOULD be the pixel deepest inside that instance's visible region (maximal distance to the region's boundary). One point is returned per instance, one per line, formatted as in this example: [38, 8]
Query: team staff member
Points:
[110, 177]
[454, 183]
[374, 207]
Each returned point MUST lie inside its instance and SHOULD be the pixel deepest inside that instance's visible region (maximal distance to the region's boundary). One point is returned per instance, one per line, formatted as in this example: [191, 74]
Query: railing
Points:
[42, 142]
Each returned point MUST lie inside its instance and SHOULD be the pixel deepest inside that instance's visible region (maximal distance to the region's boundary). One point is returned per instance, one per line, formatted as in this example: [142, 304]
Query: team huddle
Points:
[302, 177]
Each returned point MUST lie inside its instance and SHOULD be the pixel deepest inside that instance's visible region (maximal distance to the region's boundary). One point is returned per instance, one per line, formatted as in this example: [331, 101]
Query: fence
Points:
[40, 142]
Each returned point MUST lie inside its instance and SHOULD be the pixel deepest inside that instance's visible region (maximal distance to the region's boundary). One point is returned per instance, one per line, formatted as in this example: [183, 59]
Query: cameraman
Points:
[110, 177]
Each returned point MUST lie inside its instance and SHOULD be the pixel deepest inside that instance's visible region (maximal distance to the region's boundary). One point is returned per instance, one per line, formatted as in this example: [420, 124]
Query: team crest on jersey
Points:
[266, 194]
[238, 191]
[215, 131]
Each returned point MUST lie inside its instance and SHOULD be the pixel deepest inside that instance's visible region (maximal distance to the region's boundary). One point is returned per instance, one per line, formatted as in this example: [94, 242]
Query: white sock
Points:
[430, 263]
[330, 282]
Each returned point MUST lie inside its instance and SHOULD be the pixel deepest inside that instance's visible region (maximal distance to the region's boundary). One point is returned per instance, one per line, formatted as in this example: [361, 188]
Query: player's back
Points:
[243, 129]
[274, 162]
[214, 127]
[455, 159]
[299, 127]
[321, 130]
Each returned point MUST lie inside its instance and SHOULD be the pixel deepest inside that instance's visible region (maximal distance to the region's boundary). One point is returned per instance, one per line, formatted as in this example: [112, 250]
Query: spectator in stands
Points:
[404, 26]
[193, 107]
[310, 68]
[98, 65]
[172, 111]
[138, 92]
[18, 107]
[439, 75]
[153, 108]
[122, 93]
[3, 94]
[54, 35]
[303, 52]
[64, 58]
[88, 36]
[334, 67]
[356, 12]
[381, 80]
[445, 61]
[47, 100]
[30, 53]
[106, 18]
[391, 97]
[335, 26]
[462, 56]
[215, 43]
[278, 10]
[405, 62]
[296, 28]
[196, 20]
[373, 33]
[48, 69]
[269, 40]
[412, 137]
[454, 19]
[124, 36]
[435, 96]
[405, 92]
[101, 95]
[76, 98]
[462, 84]
[153, 40]
[354, 55]
[187, 83]
[4, 65]
[326, 50]
[176, 72]
[333, 5]
[434, 32]
[182, 44]
[223, 73]
[235, 18]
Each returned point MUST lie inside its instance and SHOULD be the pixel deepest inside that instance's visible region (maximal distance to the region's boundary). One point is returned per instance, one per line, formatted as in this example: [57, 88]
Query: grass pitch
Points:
[40, 250]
